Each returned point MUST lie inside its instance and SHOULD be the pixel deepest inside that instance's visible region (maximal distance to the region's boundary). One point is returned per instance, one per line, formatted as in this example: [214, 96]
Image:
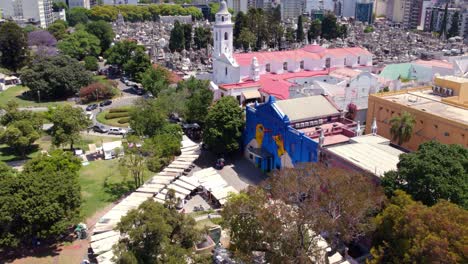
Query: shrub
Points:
[116, 115]
[96, 91]
[120, 109]
[124, 120]
[91, 63]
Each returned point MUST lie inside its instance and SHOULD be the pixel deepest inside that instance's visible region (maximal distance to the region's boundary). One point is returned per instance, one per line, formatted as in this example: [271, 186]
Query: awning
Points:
[251, 94]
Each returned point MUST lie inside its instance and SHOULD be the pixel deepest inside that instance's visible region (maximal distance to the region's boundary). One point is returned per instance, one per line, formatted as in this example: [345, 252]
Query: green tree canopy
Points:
[402, 127]
[246, 39]
[77, 15]
[315, 30]
[67, 122]
[155, 79]
[155, 234]
[41, 202]
[91, 63]
[199, 99]
[300, 30]
[55, 77]
[148, 118]
[202, 37]
[130, 57]
[58, 29]
[103, 31]
[330, 28]
[20, 135]
[409, 232]
[223, 126]
[13, 46]
[436, 171]
[80, 44]
[177, 39]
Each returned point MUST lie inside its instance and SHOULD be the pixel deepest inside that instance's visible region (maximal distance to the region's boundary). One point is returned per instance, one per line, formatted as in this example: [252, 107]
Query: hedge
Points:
[120, 109]
[116, 115]
[124, 120]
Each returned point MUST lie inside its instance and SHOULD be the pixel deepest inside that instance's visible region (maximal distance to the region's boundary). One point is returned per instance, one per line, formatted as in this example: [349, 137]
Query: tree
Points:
[436, 171]
[369, 29]
[198, 101]
[299, 30]
[103, 31]
[329, 27]
[443, 27]
[342, 31]
[67, 122]
[20, 135]
[13, 46]
[239, 24]
[315, 30]
[302, 202]
[77, 15]
[402, 127]
[409, 232]
[133, 160]
[155, 79]
[97, 91]
[91, 63]
[130, 57]
[202, 37]
[13, 114]
[155, 234]
[55, 77]
[187, 36]
[454, 30]
[177, 39]
[58, 29]
[246, 39]
[58, 6]
[148, 118]
[223, 126]
[41, 38]
[41, 202]
[80, 44]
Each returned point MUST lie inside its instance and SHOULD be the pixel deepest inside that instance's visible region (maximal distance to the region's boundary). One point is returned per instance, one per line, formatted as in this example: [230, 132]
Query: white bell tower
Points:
[222, 32]
[225, 67]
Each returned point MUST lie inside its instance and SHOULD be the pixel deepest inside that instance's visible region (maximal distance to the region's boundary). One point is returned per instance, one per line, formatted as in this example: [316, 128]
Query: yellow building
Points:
[440, 111]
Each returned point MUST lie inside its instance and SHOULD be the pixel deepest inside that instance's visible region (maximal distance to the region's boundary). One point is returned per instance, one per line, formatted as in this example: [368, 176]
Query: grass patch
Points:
[102, 183]
[204, 224]
[15, 93]
[7, 154]
[101, 118]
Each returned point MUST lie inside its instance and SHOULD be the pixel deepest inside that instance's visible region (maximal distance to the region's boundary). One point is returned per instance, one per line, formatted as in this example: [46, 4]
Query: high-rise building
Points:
[434, 17]
[35, 11]
[291, 9]
[405, 12]
[364, 10]
[79, 3]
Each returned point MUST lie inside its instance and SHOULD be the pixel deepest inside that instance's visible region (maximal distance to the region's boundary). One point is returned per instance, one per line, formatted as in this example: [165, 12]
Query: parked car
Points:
[91, 107]
[90, 115]
[123, 79]
[140, 92]
[117, 131]
[105, 103]
[100, 129]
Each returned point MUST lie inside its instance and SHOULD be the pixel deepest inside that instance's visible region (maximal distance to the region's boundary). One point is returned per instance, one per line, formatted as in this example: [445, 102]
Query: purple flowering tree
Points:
[41, 38]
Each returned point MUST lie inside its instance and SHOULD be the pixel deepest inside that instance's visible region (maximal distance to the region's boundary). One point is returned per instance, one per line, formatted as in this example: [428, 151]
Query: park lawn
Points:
[101, 118]
[203, 224]
[95, 195]
[14, 93]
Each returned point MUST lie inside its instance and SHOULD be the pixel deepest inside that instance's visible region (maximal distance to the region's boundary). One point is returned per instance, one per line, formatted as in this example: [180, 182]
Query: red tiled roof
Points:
[436, 63]
[312, 51]
[274, 84]
[174, 77]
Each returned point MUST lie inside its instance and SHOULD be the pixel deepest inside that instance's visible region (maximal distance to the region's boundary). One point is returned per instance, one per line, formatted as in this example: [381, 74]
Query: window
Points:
[345, 61]
[301, 65]
[359, 59]
[238, 98]
[222, 18]
[446, 134]
[285, 66]
[267, 67]
[327, 63]
[225, 71]
[226, 36]
[216, 36]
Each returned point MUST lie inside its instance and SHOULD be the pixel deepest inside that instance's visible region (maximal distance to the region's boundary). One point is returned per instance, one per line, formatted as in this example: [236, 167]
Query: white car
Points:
[117, 131]
[90, 115]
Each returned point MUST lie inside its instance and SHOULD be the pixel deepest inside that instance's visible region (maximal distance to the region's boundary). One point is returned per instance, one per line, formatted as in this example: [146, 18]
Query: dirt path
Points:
[67, 253]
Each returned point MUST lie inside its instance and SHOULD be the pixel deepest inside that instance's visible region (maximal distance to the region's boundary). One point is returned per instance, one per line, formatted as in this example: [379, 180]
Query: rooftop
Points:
[424, 100]
[309, 107]
[370, 153]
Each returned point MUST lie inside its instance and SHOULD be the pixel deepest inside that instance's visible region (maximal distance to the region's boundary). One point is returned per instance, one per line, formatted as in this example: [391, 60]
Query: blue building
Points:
[286, 132]
[364, 9]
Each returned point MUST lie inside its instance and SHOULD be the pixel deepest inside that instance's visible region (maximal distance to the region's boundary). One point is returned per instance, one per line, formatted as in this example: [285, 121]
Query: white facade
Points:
[319, 5]
[291, 9]
[120, 2]
[79, 3]
[225, 68]
[38, 11]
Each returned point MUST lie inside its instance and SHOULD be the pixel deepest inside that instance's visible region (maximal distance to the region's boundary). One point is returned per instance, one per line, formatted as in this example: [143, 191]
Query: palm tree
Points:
[402, 127]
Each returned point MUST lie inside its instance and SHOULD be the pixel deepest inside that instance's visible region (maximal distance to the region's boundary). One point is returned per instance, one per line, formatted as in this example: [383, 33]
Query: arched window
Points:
[222, 18]
[226, 36]
[268, 67]
[225, 71]
[285, 66]
[216, 36]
